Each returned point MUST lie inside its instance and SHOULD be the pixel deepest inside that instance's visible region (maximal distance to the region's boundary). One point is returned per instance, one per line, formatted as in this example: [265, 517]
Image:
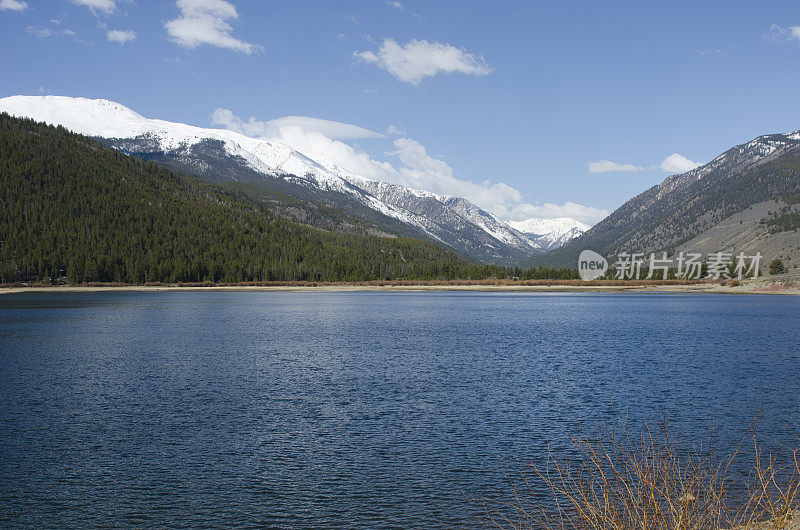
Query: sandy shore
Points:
[748, 288]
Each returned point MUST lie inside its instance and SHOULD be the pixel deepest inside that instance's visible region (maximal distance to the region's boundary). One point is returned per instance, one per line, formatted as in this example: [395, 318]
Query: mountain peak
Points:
[222, 155]
[72, 112]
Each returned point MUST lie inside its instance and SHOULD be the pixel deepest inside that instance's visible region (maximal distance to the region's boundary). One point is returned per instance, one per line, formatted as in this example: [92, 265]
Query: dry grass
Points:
[383, 283]
[647, 481]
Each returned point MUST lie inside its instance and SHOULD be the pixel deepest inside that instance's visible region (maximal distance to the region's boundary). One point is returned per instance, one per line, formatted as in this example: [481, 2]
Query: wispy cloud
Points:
[206, 22]
[334, 130]
[417, 59]
[710, 52]
[607, 166]
[120, 36]
[97, 6]
[44, 33]
[396, 5]
[13, 5]
[394, 130]
[783, 34]
[325, 141]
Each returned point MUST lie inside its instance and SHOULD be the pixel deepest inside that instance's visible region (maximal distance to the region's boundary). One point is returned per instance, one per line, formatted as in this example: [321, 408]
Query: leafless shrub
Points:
[647, 481]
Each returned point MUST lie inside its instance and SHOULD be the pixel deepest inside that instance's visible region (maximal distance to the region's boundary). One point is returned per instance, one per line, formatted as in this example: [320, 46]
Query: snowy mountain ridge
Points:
[550, 233]
[449, 220]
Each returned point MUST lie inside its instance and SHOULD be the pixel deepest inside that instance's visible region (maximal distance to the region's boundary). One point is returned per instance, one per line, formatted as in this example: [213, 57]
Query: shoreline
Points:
[555, 287]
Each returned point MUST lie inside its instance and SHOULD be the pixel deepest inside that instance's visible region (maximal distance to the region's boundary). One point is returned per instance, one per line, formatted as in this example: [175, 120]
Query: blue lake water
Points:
[354, 409]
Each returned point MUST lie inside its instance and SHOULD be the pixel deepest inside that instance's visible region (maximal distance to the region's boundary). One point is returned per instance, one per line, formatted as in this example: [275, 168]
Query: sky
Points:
[526, 108]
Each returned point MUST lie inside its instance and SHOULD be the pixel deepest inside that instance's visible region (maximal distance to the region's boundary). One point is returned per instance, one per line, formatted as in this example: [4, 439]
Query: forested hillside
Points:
[73, 208]
[220, 156]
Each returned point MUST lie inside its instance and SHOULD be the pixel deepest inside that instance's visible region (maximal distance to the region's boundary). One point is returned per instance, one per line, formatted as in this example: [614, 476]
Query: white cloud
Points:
[422, 171]
[120, 36]
[677, 163]
[416, 168]
[418, 59]
[607, 166]
[710, 52]
[44, 33]
[13, 5]
[106, 6]
[290, 131]
[205, 22]
[585, 214]
[396, 5]
[394, 130]
[783, 34]
[332, 129]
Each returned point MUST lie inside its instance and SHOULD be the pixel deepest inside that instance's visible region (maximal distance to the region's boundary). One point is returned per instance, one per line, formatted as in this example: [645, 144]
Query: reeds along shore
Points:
[647, 481]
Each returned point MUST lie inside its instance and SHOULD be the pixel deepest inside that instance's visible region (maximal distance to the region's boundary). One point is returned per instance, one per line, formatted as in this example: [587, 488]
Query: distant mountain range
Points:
[550, 234]
[745, 200]
[75, 210]
[220, 155]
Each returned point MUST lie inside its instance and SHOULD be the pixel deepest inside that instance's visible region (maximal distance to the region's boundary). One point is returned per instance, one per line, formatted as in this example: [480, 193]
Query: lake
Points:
[366, 409]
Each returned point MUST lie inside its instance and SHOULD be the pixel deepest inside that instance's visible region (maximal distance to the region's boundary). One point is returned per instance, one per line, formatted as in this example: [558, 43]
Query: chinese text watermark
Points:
[686, 265]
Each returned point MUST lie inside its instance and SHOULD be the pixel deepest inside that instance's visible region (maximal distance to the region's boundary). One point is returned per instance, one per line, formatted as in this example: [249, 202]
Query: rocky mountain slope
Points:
[220, 155]
[688, 207]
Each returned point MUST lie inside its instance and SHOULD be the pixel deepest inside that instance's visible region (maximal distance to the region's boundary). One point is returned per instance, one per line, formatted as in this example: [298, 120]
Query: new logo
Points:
[591, 265]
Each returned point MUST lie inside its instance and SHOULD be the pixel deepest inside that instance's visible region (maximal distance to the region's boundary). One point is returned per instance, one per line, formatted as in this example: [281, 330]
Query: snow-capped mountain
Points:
[456, 210]
[549, 234]
[223, 155]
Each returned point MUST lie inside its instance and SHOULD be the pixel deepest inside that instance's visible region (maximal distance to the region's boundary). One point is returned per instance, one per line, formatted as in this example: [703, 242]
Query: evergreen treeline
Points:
[787, 218]
[784, 223]
[74, 209]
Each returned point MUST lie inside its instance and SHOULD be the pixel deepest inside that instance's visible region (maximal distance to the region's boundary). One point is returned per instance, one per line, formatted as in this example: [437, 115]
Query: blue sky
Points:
[527, 108]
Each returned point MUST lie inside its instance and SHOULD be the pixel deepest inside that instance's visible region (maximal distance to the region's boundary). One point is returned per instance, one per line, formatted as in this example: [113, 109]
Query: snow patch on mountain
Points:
[744, 155]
